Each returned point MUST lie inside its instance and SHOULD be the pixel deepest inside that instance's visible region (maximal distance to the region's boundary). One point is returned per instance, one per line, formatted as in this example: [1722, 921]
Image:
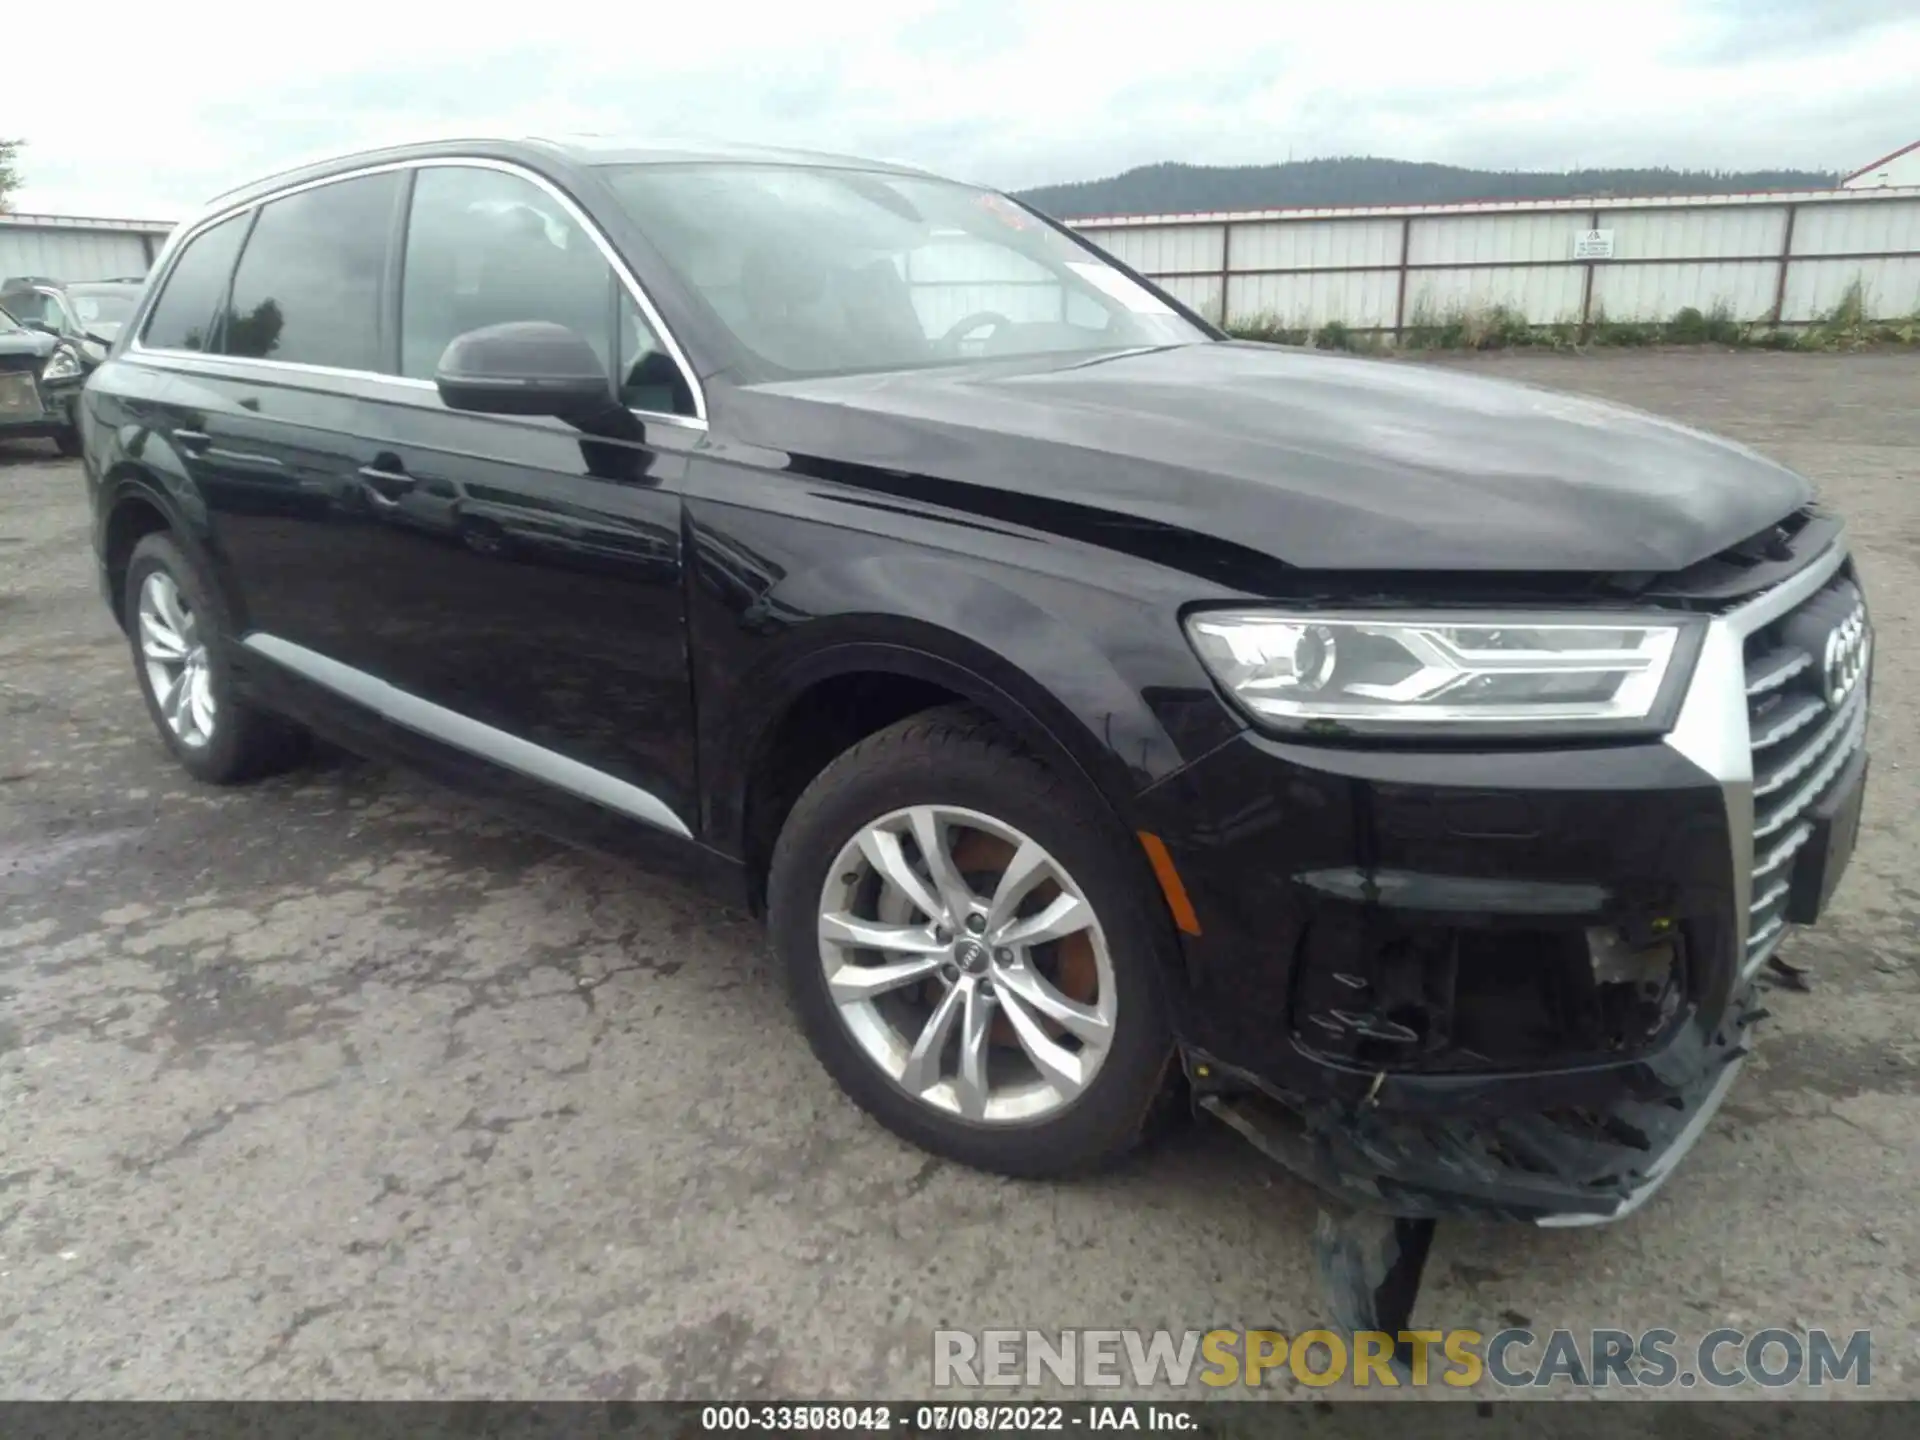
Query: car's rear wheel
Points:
[67, 442]
[178, 631]
[970, 951]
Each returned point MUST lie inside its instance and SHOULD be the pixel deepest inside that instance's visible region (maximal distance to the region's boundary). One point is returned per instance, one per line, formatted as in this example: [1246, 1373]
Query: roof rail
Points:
[371, 152]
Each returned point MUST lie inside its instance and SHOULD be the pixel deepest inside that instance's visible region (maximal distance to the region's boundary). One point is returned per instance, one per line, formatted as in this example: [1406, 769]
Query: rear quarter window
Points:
[308, 289]
[183, 316]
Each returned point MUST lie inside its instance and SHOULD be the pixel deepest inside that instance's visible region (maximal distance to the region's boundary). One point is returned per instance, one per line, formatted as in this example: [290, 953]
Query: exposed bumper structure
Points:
[1563, 1167]
[1519, 983]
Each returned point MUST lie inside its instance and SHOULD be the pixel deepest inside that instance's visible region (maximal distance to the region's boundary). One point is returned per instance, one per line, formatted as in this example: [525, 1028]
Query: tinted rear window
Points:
[183, 315]
[309, 285]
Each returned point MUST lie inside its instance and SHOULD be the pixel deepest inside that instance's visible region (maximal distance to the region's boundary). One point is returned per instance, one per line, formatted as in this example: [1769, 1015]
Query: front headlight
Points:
[1364, 672]
[64, 364]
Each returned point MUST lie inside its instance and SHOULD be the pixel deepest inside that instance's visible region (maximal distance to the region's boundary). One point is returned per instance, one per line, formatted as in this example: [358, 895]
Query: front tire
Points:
[971, 952]
[180, 637]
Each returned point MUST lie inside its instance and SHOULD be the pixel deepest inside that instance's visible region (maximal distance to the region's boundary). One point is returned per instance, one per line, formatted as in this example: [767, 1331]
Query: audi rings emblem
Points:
[1849, 646]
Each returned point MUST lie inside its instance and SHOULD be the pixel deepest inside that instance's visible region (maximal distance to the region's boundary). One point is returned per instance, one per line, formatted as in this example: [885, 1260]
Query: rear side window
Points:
[308, 287]
[183, 315]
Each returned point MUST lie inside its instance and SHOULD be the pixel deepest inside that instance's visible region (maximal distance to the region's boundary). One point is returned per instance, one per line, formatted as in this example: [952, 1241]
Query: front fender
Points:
[1027, 648]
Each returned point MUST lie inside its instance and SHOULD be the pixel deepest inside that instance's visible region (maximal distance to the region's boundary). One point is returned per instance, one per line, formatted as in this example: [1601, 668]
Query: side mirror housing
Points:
[525, 367]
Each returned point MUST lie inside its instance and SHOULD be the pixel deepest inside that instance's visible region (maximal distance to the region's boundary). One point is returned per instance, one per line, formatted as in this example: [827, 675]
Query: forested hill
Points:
[1360, 180]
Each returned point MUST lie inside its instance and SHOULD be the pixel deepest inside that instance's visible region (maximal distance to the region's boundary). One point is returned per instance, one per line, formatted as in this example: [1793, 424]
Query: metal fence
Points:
[1785, 257]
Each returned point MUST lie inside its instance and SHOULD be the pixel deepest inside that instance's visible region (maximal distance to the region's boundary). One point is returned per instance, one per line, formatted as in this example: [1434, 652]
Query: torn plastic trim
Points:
[1574, 1164]
[1667, 1163]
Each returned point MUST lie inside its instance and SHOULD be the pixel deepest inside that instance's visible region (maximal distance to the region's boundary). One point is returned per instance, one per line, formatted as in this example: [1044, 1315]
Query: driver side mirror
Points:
[524, 367]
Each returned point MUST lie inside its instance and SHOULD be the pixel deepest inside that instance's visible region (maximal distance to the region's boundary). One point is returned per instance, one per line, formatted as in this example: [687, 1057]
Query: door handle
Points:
[192, 439]
[384, 487]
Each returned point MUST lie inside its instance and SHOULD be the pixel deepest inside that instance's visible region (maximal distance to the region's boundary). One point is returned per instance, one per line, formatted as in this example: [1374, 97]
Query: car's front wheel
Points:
[177, 629]
[970, 951]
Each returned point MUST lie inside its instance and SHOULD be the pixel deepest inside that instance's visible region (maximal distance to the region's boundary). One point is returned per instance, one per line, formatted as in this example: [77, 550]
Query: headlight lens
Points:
[1339, 671]
[64, 364]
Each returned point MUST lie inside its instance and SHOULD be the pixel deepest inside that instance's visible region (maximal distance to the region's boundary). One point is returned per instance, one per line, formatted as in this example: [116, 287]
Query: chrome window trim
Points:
[137, 344]
[247, 366]
[407, 390]
[450, 727]
[1711, 729]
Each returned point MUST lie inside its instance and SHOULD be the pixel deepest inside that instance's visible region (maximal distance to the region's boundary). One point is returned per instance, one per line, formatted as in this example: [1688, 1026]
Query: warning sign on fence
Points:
[1593, 245]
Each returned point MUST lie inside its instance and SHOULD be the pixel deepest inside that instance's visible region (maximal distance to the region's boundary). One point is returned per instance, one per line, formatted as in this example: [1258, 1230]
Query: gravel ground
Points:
[337, 1086]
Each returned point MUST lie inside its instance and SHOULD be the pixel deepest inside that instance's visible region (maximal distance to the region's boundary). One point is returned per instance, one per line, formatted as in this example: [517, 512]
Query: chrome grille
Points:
[1801, 741]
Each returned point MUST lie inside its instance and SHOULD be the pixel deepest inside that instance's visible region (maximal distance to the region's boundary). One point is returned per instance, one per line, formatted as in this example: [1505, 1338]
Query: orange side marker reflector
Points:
[1170, 885]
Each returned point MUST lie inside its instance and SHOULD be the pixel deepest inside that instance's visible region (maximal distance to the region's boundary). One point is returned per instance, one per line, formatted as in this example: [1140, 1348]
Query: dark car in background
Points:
[1413, 769]
[90, 313]
[40, 378]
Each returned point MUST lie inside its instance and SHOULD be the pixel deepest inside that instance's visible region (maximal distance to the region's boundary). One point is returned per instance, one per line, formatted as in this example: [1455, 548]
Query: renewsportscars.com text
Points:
[1512, 1359]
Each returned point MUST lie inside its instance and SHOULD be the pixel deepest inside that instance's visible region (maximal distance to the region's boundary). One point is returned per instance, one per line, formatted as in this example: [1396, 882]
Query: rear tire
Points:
[180, 635]
[1071, 1055]
[67, 442]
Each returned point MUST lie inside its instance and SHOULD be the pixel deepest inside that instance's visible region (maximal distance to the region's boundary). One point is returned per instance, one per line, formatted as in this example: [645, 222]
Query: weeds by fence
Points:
[1847, 326]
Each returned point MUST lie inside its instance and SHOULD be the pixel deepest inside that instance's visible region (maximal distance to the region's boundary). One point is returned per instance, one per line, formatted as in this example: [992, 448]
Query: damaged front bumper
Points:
[1516, 984]
[1558, 1167]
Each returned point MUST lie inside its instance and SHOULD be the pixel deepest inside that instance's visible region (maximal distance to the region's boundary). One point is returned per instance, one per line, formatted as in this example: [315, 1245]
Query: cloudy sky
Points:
[148, 108]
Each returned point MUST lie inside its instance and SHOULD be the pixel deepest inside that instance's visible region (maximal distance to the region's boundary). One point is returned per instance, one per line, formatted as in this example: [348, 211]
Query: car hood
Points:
[1322, 462]
[36, 343]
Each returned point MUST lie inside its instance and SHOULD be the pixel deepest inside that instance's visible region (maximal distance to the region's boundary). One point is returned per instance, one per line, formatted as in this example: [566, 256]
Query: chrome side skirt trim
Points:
[452, 728]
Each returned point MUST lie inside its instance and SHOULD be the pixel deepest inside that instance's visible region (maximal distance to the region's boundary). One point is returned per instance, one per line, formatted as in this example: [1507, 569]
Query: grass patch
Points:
[1270, 330]
[1716, 327]
[1333, 335]
[1489, 327]
[1849, 325]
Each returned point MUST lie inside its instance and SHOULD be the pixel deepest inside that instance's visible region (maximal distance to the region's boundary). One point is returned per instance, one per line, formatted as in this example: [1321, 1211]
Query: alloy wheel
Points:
[967, 964]
[176, 659]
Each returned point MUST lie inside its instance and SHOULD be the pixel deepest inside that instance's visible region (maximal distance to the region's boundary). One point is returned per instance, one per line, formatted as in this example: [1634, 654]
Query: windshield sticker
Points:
[1124, 288]
[1007, 213]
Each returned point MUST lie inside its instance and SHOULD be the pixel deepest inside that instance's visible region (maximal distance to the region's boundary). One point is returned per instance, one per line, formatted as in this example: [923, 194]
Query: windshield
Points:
[825, 271]
[102, 312]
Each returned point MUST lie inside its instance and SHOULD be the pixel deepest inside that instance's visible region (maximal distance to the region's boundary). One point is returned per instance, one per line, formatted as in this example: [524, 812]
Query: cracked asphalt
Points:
[337, 1086]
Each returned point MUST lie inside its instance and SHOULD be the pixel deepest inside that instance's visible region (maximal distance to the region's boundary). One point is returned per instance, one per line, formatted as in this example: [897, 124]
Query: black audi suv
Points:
[1412, 770]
